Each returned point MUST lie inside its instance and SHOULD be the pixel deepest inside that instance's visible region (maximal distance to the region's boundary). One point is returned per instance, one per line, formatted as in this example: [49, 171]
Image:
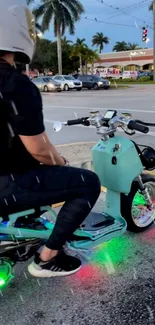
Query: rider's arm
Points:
[28, 123]
[41, 149]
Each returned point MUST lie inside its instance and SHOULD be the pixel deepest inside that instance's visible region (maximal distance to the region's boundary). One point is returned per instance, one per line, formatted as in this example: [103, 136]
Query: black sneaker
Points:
[60, 265]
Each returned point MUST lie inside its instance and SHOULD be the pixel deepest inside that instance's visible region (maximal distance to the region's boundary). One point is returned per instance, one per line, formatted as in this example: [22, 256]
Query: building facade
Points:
[127, 60]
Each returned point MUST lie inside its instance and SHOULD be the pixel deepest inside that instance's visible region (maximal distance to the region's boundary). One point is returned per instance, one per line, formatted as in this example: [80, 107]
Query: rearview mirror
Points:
[57, 126]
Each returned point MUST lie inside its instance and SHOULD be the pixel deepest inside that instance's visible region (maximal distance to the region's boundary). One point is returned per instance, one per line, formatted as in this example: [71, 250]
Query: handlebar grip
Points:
[133, 125]
[77, 121]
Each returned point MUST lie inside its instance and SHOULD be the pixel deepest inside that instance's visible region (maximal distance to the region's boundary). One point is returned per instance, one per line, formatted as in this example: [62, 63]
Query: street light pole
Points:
[154, 40]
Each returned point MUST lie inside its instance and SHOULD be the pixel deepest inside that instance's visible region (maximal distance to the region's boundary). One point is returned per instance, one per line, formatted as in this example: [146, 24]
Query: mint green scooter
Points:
[130, 196]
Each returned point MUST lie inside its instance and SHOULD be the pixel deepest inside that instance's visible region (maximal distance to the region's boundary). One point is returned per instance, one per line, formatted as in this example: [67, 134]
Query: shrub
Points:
[142, 79]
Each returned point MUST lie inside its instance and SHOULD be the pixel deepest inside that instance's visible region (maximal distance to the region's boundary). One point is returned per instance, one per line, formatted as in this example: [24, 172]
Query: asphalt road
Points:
[139, 100]
[118, 286]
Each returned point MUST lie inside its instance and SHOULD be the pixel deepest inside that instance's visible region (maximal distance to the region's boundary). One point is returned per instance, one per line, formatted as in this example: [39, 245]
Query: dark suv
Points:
[93, 82]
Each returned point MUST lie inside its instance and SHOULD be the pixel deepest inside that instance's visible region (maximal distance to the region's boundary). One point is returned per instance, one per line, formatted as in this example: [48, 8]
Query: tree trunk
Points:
[86, 67]
[80, 60]
[92, 67]
[59, 50]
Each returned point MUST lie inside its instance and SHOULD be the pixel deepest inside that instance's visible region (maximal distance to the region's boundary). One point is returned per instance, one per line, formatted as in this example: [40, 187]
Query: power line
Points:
[122, 11]
[129, 7]
[104, 21]
[107, 22]
[137, 5]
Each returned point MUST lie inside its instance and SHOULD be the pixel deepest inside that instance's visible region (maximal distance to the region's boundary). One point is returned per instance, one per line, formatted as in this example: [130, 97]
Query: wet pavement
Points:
[118, 285]
[116, 288]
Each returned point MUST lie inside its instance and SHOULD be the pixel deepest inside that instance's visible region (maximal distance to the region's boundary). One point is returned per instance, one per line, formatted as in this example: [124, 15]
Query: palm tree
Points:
[66, 41]
[63, 14]
[80, 41]
[99, 40]
[91, 57]
[133, 46]
[78, 50]
[120, 46]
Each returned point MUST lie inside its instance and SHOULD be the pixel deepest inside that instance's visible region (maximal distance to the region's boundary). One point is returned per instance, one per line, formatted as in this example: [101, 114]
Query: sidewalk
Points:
[76, 153]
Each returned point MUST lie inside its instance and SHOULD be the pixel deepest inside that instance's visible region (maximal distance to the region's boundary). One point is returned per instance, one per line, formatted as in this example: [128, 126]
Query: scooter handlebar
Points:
[83, 121]
[133, 125]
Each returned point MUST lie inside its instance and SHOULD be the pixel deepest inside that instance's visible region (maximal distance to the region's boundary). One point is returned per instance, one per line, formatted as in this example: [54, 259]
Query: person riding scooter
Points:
[32, 172]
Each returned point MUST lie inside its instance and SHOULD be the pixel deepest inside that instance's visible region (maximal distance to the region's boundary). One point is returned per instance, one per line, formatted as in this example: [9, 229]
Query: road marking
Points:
[103, 109]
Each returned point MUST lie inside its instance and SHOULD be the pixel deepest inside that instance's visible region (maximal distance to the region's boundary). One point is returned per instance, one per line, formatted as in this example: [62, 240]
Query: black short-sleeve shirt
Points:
[26, 118]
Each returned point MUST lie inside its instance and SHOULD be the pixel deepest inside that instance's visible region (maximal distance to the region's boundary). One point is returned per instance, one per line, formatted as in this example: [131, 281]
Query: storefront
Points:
[127, 60]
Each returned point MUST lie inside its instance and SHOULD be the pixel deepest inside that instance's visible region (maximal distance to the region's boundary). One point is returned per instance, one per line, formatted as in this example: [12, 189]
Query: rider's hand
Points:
[66, 162]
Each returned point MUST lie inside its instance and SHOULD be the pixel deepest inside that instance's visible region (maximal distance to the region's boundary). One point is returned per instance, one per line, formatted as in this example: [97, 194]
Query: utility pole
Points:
[154, 40]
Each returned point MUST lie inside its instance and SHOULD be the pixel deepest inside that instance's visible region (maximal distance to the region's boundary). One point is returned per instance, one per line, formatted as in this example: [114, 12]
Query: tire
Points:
[7, 269]
[95, 87]
[127, 205]
[59, 91]
[45, 89]
[66, 87]
[79, 89]
[106, 88]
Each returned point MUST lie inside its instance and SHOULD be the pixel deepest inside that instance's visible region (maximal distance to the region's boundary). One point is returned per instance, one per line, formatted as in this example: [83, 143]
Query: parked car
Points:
[106, 82]
[46, 84]
[68, 82]
[93, 82]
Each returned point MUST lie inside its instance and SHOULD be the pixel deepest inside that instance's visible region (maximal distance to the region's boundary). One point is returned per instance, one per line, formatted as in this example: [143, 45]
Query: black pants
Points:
[46, 185]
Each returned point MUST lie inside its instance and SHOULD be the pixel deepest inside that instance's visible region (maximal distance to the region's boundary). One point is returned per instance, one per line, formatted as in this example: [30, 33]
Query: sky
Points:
[122, 24]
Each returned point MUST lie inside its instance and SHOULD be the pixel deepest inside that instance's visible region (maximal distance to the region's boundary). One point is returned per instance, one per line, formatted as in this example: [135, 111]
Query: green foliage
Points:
[123, 46]
[130, 80]
[142, 79]
[99, 40]
[46, 56]
[120, 46]
[63, 13]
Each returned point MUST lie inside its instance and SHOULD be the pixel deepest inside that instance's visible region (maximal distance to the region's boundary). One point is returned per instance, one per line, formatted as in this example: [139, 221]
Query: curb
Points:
[75, 143]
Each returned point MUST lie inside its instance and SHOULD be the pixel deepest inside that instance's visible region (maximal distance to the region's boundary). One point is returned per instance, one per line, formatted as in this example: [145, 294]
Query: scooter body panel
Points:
[117, 163]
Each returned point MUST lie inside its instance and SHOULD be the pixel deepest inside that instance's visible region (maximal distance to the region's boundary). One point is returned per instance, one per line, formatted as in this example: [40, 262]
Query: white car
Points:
[68, 82]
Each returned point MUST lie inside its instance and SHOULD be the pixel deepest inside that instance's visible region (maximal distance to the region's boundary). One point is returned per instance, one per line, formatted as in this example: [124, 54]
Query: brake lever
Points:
[130, 133]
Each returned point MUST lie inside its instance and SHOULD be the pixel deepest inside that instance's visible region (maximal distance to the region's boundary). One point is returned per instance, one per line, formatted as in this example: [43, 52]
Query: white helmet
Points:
[17, 30]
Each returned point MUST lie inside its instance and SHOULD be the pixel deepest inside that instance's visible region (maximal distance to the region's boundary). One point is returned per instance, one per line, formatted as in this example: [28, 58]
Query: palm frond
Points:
[39, 11]
[75, 7]
[69, 22]
[29, 2]
[151, 6]
[47, 17]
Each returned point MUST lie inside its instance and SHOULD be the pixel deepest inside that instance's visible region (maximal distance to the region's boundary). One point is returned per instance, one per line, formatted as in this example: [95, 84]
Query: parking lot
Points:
[118, 286]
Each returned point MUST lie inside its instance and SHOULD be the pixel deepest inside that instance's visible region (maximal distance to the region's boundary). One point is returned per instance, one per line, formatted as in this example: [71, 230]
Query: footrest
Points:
[90, 236]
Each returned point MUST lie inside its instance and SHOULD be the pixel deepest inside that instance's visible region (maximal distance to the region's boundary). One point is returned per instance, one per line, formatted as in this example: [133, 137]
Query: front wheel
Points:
[79, 89]
[6, 271]
[66, 87]
[46, 89]
[133, 206]
[95, 86]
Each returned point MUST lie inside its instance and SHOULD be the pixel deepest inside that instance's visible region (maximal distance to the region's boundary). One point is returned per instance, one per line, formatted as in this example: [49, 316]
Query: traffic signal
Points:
[144, 38]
